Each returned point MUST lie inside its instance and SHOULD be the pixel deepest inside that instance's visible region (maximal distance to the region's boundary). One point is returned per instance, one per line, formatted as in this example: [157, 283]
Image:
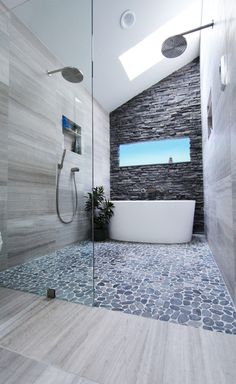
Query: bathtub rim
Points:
[152, 201]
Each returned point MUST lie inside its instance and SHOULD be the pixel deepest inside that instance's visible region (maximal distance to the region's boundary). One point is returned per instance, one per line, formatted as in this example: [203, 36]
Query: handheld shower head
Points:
[60, 165]
[71, 74]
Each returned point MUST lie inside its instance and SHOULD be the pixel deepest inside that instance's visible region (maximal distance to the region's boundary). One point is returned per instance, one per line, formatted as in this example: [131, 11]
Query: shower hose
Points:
[75, 206]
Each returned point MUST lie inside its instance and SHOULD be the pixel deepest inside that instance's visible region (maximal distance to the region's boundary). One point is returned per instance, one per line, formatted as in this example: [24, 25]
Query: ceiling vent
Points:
[127, 19]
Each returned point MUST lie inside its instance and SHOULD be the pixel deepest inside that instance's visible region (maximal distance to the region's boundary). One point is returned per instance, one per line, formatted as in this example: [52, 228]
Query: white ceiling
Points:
[111, 84]
[64, 26]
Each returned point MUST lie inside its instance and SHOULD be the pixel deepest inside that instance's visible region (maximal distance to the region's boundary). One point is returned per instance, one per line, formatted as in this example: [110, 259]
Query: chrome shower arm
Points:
[55, 71]
[198, 29]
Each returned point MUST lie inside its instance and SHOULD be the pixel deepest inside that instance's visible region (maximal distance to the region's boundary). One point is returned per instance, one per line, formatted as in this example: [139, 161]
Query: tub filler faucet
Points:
[143, 194]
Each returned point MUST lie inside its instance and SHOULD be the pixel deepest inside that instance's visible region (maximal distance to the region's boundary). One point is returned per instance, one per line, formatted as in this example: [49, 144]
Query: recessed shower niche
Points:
[72, 135]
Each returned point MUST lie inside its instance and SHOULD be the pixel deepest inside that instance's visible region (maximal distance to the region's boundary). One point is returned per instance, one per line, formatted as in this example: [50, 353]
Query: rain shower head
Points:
[71, 74]
[175, 46]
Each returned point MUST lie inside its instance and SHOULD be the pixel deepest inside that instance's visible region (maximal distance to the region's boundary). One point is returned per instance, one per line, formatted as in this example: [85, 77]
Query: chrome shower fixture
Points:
[174, 46]
[74, 193]
[60, 165]
[71, 74]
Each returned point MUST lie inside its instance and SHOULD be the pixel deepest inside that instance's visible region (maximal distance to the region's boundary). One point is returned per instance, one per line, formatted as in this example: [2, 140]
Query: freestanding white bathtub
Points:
[155, 221]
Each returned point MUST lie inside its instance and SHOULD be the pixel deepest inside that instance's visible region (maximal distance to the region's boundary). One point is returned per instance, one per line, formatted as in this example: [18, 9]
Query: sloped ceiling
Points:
[111, 84]
[64, 26]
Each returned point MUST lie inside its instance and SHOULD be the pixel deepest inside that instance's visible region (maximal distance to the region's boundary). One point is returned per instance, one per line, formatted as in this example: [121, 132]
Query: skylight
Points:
[147, 52]
[142, 56]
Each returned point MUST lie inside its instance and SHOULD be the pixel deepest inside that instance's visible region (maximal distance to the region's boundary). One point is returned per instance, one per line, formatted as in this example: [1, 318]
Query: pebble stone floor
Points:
[180, 283]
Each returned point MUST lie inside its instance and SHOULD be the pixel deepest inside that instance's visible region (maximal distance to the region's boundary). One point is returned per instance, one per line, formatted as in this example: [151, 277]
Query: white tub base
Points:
[156, 221]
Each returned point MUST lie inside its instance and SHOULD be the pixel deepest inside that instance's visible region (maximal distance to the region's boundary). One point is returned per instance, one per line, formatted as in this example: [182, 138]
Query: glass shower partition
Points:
[46, 151]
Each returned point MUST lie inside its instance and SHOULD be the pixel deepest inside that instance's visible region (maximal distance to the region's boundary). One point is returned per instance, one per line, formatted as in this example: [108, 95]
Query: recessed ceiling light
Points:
[127, 19]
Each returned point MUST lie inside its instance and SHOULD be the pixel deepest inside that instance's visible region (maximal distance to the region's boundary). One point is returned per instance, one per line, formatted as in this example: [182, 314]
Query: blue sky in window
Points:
[155, 152]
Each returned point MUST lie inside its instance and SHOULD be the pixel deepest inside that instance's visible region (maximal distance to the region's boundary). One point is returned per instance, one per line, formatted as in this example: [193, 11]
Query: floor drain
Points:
[51, 293]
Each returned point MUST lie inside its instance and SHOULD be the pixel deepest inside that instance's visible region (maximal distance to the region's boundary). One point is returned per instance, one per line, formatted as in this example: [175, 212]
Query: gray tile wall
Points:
[4, 108]
[169, 109]
[219, 150]
[31, 107]
[32, 147]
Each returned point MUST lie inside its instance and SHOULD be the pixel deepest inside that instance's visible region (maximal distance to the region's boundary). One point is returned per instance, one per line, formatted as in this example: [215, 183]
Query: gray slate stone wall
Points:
[168, 109]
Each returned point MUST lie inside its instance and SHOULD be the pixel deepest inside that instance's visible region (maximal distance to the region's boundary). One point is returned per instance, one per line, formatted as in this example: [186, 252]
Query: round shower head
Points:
[174, 46]
[72, 74]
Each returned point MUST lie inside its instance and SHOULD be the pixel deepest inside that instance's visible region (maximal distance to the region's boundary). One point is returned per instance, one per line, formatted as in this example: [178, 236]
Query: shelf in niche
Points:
[72, 142]
[71, 132]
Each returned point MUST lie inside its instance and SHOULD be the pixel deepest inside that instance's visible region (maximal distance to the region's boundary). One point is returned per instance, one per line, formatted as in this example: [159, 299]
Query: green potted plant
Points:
[102, 211]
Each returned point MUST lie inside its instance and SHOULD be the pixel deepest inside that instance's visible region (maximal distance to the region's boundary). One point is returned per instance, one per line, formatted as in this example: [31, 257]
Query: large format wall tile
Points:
[3, 172]
[4, 102]
[32, 143]
[31, 153]
[231, 38]
[75, 103]
[219, 150]
[3, 133]
[4, 44]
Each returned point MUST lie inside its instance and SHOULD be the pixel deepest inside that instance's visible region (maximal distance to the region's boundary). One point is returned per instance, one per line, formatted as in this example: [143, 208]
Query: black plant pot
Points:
[100, 234]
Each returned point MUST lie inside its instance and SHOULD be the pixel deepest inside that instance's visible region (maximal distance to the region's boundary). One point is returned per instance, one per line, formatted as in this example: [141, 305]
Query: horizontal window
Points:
[155, 152]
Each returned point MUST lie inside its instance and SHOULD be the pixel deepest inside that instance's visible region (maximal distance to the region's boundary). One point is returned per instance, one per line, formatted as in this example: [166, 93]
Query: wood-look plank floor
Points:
[15, 368]
[108, 347]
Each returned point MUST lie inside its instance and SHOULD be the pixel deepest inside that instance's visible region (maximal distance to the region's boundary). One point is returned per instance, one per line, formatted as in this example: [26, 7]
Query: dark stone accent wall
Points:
[168, 109]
